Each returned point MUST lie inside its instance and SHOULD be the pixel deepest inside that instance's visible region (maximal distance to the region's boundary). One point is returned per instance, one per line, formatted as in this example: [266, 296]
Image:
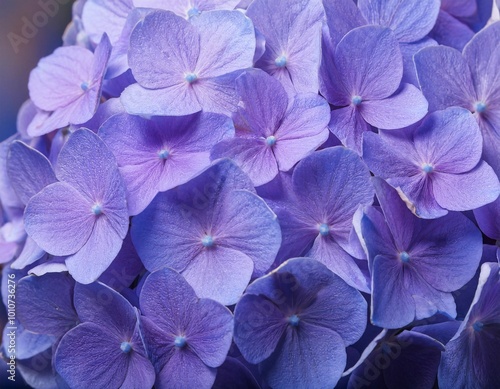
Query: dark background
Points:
[15, 67]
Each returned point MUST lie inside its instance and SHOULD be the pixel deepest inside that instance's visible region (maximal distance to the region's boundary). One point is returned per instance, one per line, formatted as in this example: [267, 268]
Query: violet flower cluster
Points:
[257, 194]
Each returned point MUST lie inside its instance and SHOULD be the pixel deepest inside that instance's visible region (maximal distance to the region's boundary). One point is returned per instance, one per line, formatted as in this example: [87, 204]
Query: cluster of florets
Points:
[258, 194]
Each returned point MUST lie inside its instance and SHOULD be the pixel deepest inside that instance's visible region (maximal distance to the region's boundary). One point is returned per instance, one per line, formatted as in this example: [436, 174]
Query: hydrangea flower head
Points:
[84, 216]
[192, 69]
[214, 230]
[109, 336]
[273, 133]
[436, 166]
[416, 263]
[67, 86]
[187, 338]
[296, 322]
[362, 78]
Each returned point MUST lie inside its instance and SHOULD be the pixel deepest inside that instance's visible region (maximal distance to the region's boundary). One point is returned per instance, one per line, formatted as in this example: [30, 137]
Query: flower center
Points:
[480, 107]
[280, 61]
[190, 78]
[207, 241]
[97, 209]
[404, 257]
[193, 12]
[427, 168]
[324, 229]
[271, 141]
[478, 326]
[356, 100]
[293, 320]
[85, 86]
[180, 341]
[163, 154]
[126, 347]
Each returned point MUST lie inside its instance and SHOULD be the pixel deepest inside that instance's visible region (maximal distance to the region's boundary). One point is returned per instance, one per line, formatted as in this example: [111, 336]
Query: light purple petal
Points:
[342, 16]
[369, 60]
[449, 140]
[97, 253]
[218, 94]
[100, 16]
[29, 171]
[466, 191]
[221, 274]
[450, 31]
[348, 125]
[303, 129]
[227, 43]
[407, 106]
[445, 78]
[410, 21]
[59, 219]
[408, 50]
[31, 253]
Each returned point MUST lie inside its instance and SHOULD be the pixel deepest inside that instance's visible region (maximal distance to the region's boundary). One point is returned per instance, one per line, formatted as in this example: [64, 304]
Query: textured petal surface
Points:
[444, 70]
[410, 21]
[59, 219]
[29, 171]
[405, 107]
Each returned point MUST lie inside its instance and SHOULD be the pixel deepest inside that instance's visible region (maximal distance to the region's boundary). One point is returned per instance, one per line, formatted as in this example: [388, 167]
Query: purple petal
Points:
[163, 47]
[410, 21]
[30, 254]
[443, 69]
[466, 191]
[259, 325]
[218, 94]
[450, 140]
[59, 219]
[488, 219]
[100, 17]
[328, 252]
[97, 253]
[450, 31]
[44, 309]
[293, 39]
[210, 332]
[369, 60]
[29, 171]
[348, 125]
[227, 43]
[221, 274]
[408, 50]
[483, 56]
[303, 129]
[87, 164]
[342, 16]
[405, 107]
[308, 355]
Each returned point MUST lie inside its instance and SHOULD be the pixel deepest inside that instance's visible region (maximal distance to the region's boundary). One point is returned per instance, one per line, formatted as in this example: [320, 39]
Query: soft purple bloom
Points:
[273, 133]
[192, 69]
[188, 8]
[437, 165]
[84, 216]
[362, 78]
[214, 230]
[292, 30]
[159, 154]
[109, 338]
[393, 360]
[416, 263]
[316, 213]
[296, 322]
[470, 359]
[187, 338]
[469, 80]
[67, 86]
